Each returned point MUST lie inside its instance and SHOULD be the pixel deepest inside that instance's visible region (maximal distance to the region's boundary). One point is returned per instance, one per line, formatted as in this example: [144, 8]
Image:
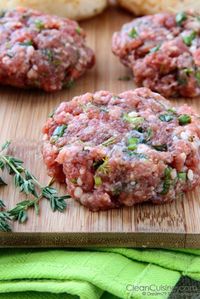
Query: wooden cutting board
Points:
[22, 115]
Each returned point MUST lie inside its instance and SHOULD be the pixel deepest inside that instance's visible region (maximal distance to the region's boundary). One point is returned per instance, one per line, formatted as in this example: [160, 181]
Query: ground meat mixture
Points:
[114, 150]
[163, 51]
[42, 51]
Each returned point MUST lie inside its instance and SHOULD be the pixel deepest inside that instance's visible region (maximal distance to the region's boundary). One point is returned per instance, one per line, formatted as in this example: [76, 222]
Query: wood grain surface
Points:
[22, 116]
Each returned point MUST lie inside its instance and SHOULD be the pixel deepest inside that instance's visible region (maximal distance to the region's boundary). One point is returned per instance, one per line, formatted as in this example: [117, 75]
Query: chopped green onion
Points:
[180, 18]
[133, 33]
[166, 117]
[97, 181]
[184, 119]
[189, 38]
[182, 176]
[59, 131]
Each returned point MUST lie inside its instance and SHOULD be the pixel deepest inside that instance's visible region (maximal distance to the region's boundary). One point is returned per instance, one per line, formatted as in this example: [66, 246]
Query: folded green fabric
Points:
[106, 273]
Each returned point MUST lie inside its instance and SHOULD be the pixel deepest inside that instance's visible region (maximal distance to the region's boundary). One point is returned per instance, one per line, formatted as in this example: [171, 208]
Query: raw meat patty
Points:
[42, 51]
[163, 52]
[114, 150]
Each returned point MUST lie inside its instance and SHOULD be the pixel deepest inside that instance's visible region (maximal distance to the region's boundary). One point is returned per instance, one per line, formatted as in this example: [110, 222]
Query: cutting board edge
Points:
[114, 239]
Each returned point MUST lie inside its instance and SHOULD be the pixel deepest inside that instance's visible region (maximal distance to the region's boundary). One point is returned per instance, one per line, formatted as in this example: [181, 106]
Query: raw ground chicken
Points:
[119, 150]
[163, 52]
[41, 51]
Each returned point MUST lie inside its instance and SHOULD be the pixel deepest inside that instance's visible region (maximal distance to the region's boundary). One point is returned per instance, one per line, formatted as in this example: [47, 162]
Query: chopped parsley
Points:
[166, 117]
[189, 38]
[133, 33]
[167, 181]
[180, 18]
[184, 119]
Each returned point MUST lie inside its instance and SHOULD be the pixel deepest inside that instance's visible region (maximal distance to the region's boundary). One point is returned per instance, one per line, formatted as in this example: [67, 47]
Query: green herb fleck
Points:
[189, 38]
[197, 76]
[132, 143]
[155, 49]
[78, 30]
[73, 181]
[180, 18]
[109, 141]
[27, 43]
[135, 120]
[39, 25]
[184, 119]
[97, 181]
[160, 147]
[166, 117]
[103, 167]
[133, 33]
[59, 131]
[167, 181]
[188, 71]
[182, 176]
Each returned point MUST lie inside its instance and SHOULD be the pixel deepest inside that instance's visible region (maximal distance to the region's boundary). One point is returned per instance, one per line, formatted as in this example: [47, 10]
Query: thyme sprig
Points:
[28, 184]
[4, 218]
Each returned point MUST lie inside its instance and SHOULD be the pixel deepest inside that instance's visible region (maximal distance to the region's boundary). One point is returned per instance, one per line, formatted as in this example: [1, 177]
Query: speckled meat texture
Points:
[41, 51]
[119, 150]
[163, 52]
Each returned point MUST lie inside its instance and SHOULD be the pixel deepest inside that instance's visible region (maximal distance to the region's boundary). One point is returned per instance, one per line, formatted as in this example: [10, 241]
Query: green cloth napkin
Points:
[106, 273]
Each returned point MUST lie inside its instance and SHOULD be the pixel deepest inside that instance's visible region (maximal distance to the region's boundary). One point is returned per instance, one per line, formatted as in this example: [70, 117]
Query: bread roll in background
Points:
[73, 9]
[145, 7]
